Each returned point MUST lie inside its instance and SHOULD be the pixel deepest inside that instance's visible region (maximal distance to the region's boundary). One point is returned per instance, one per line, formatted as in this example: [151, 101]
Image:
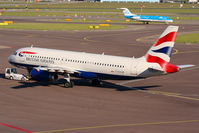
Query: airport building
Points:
[151, 1]
[87, 0]
[193, 1]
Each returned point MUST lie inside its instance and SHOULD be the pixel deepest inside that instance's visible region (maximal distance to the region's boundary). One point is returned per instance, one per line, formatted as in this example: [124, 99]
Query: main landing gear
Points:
[68, 83]
[146, 22]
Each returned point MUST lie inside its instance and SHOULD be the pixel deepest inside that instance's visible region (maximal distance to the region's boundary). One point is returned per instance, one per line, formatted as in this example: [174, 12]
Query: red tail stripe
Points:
[169, 68]
[170, 37]
[155, 59]
[27, 52]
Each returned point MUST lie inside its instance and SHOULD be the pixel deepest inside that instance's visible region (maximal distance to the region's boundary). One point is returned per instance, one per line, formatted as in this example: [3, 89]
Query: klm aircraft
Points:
[145, 19]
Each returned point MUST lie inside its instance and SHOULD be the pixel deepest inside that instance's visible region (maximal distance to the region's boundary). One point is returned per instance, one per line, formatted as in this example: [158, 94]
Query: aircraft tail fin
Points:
[126, 12]
[161, 51]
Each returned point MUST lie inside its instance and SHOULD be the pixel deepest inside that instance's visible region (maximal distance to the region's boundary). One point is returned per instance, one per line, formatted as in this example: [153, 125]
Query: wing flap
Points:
[58, 69]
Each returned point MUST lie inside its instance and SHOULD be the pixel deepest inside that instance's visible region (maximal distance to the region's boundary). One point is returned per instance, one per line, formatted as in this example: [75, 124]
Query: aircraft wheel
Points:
[68, 84]
[11, 78]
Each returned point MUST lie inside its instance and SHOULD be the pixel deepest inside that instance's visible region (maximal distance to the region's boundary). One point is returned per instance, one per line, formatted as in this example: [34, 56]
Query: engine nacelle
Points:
[42, 75]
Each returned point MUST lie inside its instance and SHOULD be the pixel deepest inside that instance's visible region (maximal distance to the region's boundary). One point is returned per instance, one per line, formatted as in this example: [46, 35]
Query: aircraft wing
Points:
[58, 69]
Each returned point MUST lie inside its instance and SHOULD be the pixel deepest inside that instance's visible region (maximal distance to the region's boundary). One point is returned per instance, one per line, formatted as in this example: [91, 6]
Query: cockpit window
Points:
[21, 55]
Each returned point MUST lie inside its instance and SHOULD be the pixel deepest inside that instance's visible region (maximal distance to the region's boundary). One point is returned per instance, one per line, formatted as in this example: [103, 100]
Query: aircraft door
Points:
[134, 68]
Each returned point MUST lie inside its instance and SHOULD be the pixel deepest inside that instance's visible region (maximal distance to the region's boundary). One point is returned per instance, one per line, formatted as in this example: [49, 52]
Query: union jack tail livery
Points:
[161, 51]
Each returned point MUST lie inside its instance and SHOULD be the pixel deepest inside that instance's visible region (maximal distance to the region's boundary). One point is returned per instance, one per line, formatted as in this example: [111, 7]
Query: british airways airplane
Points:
[47, 64]
[145, 19]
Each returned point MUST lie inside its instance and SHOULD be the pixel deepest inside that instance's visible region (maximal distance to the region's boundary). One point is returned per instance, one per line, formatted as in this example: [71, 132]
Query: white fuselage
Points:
[84, 62]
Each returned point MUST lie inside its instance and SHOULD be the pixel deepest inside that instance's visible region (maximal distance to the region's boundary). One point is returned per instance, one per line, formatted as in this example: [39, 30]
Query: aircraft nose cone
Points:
[10, 59]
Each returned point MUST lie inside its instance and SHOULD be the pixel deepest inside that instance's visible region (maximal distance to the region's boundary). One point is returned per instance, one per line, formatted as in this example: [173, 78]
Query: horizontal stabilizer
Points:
[185, 67]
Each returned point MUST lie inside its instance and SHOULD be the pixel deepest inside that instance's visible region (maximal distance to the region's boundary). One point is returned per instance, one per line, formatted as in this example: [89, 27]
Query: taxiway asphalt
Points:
[157, 105]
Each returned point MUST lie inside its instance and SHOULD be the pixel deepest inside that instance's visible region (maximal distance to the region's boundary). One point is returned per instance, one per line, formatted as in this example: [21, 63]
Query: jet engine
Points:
[42, 75]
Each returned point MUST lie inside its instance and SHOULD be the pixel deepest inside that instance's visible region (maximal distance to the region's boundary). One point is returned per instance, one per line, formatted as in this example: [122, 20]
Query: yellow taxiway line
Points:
[185, 52]
[175, 51]
[119, 125]
[177, 95]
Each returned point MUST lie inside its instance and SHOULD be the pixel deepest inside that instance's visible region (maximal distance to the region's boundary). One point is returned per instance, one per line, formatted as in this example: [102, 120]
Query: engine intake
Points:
[42, 75]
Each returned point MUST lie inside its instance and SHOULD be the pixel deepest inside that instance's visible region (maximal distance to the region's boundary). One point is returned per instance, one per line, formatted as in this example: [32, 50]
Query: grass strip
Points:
[57, 26]
[188, 38]
[104, 5]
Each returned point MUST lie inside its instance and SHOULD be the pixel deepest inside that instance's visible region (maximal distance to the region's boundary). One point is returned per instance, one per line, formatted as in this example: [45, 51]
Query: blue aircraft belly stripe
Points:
[90, 74]
[104, 76]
